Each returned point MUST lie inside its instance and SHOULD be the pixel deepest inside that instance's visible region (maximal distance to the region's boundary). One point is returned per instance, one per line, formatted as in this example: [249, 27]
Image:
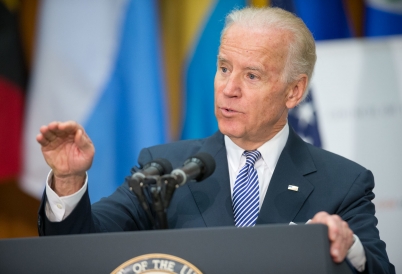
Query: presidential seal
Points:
[156, 264]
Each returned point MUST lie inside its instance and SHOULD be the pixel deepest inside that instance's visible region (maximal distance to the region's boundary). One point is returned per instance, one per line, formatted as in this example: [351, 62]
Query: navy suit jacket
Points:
[327, 182]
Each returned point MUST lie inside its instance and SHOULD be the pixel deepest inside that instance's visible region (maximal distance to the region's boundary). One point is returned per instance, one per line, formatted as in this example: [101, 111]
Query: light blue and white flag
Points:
[199, 114]
[97, 62]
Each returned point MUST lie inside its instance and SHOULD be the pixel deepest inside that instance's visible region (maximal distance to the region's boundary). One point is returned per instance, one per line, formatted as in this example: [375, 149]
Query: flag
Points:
[383, 17]
[199, 72]
[99, 63]
[304, 121]
[325, 19]
[12, 86]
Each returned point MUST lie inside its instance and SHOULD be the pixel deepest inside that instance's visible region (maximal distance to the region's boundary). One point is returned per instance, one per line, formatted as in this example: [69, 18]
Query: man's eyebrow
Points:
[255, 69]
[221, 59]
[258, 69]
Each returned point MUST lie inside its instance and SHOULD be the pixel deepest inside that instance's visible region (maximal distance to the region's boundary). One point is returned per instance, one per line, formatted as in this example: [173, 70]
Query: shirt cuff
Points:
[356, 255]
[58, 208]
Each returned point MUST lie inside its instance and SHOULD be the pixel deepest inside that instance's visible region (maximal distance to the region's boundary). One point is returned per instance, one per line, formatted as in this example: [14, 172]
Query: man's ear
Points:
[296, 91]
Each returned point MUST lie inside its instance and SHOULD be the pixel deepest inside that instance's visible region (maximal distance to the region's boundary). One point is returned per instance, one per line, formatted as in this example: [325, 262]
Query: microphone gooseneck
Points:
[197, 167]
[156, 167]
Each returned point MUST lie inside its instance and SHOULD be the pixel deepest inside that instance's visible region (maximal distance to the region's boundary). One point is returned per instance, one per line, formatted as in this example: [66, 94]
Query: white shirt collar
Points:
[270, 150]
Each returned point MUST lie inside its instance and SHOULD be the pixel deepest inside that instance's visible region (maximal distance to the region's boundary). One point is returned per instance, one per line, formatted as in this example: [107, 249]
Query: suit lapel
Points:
[281, 205]
[212, 195]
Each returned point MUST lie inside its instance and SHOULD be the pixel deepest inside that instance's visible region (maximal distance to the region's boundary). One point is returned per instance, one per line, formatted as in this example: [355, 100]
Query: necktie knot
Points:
[251, 156]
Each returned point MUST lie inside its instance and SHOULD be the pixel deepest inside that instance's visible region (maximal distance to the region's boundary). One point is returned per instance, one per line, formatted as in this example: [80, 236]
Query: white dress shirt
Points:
[265, 166]
[58, 208]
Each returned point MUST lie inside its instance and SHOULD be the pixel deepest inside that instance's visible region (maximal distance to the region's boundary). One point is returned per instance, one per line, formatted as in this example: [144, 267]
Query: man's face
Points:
[250, 98]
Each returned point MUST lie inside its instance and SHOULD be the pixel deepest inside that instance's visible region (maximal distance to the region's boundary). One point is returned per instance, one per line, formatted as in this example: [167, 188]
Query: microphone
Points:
[156, 167]
[197, 167]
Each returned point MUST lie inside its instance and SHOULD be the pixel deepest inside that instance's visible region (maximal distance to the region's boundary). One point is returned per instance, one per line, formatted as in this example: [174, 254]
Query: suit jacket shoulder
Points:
[178, 152]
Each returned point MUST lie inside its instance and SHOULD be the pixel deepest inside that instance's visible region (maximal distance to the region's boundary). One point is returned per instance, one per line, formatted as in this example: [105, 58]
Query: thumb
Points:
[82, 140]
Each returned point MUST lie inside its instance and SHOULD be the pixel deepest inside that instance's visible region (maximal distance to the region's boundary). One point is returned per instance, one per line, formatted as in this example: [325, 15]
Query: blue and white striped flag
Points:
[97, 62]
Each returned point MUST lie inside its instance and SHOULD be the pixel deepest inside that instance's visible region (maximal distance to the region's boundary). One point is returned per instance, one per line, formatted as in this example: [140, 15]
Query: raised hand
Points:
[69, 152]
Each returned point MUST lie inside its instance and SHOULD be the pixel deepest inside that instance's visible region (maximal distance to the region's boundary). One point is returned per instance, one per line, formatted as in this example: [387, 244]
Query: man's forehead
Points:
[255, 37]
[252, 45]
[254, 50]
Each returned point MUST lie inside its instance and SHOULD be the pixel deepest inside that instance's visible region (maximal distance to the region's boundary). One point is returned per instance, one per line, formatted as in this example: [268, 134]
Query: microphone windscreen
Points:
[208, 165]
[163, 165]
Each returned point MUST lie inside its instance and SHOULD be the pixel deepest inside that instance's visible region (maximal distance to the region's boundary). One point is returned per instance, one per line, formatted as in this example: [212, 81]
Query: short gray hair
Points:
[301, 55]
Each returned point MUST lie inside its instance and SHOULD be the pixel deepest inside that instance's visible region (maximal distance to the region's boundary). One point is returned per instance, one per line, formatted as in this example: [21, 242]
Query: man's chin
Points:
[229, 131]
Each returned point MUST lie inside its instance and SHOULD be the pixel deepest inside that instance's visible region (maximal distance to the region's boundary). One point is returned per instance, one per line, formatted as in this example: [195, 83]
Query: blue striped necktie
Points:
[246, 192]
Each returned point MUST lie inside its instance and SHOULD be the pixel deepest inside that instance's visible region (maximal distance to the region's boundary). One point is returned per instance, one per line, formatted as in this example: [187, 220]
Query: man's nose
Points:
[233, 86]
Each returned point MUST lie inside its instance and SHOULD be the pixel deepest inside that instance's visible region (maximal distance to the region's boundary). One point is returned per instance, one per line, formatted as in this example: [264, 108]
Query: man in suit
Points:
[265, 61]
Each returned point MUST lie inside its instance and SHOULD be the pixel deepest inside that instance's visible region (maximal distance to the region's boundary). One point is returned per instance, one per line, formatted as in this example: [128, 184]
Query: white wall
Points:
[357, 89]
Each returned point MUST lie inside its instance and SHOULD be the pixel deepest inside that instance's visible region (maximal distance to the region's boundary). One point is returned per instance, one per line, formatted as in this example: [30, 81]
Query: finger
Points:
[332, 223]
[346, 236]
[82, 140]
[319, 218]
[41, 140]
[339, 234]
[49, 134]
[338, 250]
[335, 236]
[335, 250]
[334, 227]
[336, 255]
[61, 130]
[56, 128]
[69, 126]
[343, 238]
[53, 125]
[78, 138]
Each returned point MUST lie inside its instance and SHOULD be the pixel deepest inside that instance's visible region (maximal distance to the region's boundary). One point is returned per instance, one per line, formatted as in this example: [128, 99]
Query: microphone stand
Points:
[171, 184]
[155, 187]
[138, 189]
[160, 191]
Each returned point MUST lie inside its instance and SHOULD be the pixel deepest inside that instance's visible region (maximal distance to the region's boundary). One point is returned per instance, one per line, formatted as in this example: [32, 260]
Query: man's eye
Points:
[252, 76]
[224, 70]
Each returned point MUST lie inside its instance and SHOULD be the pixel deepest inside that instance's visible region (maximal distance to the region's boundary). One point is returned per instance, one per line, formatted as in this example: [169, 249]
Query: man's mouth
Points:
[228, 111]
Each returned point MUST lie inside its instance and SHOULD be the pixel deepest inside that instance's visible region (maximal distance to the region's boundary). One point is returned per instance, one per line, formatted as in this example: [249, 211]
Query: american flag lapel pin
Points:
[294, 188]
